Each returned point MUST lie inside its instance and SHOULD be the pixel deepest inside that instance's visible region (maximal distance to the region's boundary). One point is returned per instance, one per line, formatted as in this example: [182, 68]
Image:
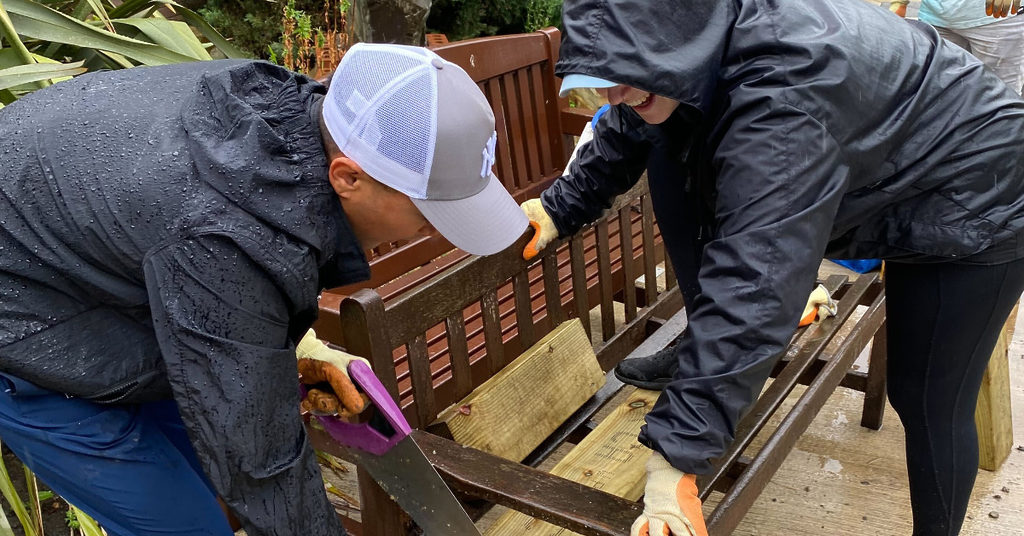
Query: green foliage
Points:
[46, 41]
[541, 14]
[24, 512]
[256, 25]
[253, 25]
[463, 19]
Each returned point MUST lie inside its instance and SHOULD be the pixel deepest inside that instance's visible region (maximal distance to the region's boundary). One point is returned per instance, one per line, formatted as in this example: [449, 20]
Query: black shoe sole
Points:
[653, 385]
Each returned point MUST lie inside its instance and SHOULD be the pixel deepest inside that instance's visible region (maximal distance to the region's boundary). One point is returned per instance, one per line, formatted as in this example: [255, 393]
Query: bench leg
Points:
[992, 416]
[874, 394]
[380, 515]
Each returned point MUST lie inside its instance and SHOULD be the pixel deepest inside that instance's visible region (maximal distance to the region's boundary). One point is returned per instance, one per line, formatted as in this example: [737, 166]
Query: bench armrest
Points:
[574, 119]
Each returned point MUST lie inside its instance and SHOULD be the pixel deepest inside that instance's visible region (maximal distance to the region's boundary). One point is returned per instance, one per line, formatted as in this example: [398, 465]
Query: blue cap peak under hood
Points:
[672, 49]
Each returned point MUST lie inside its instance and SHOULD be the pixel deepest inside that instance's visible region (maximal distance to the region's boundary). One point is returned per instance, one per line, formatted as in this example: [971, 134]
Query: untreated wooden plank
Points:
[610, 459]
[513, 411]
[993, 415]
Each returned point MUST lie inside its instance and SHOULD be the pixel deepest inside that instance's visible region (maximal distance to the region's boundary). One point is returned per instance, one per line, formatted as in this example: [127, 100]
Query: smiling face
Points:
[652, 108]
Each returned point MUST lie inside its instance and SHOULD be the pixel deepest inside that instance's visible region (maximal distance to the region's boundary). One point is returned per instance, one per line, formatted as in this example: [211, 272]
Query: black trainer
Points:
[652, 372]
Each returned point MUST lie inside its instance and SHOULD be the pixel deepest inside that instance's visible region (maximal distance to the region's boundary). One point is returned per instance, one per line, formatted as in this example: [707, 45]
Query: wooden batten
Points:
[610, 459]
[516, 409]
[992, 415]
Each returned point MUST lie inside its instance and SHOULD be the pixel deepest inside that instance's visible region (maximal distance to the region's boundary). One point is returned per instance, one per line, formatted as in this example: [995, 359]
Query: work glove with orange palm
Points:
[899, 7]
[819, 307]
[1001, 8]
[544, 230]
[671, 506]
[321, 364]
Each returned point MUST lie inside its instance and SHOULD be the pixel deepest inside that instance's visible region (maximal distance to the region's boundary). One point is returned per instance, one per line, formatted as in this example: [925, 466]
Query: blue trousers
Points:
[132, 468]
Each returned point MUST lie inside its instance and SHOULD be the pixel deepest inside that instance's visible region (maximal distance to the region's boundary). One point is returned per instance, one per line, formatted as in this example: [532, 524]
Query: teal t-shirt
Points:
[954, 14]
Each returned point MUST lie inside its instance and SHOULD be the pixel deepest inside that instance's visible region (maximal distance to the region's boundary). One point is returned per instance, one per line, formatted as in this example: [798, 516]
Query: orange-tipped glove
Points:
[899, 7]
[819, 307]
[544, 230]
[671, 506]
[318, 363]
[1001, 8]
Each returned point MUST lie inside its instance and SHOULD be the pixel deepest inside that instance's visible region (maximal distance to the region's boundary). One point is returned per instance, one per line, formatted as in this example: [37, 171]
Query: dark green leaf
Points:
[24, 74]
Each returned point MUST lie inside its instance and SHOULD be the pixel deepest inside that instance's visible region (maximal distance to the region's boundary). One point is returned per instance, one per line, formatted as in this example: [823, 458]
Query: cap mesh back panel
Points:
[406, 125]
[401, 128]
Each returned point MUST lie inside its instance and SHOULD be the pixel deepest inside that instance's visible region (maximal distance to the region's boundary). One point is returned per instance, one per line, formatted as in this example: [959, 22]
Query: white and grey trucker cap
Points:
[420, 125]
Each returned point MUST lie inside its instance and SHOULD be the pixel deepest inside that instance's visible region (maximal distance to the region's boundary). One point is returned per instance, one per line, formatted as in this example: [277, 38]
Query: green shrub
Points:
[463, 19]
[253, 25]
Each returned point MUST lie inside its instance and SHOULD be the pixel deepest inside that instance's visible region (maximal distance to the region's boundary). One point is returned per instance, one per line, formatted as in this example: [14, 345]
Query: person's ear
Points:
[343, 174]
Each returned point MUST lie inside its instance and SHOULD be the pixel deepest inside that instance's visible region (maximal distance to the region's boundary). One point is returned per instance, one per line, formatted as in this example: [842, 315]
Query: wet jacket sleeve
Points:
[607, 166]
[780, 178]
[222, 326]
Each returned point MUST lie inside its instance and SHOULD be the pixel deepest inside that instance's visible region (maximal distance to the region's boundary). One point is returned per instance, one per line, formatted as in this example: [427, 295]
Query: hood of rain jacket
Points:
[165, 231]
[805, 127]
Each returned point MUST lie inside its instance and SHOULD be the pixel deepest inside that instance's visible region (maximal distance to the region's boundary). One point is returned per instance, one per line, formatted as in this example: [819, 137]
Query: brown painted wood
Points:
[545, 136]
[531, 138]
[552, 289]
[579, 281]
[575, 119]
[727, 515]
[364, 328]
[459, 353]
[516, 131]
[650, 275]
[604, 280]
[583, 510]
[524, 309]
[628, 271]
[551, 85]
[810, 344]
[386, 517]
[874, 393]
[503, 157]
[670, 273]
[491, 57]
[422, 382]
[492, 331]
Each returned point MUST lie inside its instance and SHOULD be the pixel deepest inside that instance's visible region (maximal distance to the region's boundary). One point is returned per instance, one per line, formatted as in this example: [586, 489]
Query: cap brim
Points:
[577, 81]
[482, 224]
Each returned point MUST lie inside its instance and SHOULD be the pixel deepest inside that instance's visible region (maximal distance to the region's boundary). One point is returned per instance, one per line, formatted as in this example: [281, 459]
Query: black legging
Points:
[943, 323]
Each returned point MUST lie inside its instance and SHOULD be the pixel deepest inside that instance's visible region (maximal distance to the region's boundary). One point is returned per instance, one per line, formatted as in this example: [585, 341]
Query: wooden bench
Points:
[535, 129]
[479, 339]
[435, 338]
[463, 301]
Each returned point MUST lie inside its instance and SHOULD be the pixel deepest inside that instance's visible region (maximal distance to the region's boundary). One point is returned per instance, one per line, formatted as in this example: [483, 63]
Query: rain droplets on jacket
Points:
[806, 127]
[165, 232]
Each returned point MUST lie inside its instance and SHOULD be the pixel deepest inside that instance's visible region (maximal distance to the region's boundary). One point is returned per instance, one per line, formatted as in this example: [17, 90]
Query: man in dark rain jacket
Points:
[164, 234]
[774, 133]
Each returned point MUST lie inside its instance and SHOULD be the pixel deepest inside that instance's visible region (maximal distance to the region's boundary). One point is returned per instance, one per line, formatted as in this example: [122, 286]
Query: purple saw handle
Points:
[361, 435]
